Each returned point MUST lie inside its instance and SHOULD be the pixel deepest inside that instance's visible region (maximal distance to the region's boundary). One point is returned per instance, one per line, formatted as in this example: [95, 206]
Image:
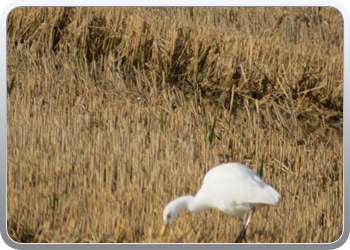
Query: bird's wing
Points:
[236, 183]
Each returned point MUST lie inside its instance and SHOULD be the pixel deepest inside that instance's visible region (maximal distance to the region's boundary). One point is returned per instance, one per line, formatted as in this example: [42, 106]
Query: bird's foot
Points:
[241, 236]
[244, 237]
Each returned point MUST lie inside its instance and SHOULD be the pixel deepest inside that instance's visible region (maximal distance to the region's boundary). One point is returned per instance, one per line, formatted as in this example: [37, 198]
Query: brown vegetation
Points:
[111, 115]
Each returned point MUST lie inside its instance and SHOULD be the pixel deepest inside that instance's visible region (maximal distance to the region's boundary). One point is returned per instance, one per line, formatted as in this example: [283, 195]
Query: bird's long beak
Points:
[164, 228]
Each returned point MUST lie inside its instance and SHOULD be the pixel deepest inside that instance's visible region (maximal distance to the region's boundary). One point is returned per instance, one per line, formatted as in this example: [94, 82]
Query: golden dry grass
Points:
[110, 111]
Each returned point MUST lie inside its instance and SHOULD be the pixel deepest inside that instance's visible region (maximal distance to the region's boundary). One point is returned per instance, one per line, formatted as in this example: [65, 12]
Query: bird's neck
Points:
[190, 203]
[183, 203]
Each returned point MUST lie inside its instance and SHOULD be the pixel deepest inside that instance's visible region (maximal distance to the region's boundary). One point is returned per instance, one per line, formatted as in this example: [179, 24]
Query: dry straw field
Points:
[114, 112]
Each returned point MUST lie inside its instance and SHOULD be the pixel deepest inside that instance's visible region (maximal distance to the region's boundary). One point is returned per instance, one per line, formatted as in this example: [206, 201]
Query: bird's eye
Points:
[168, 216]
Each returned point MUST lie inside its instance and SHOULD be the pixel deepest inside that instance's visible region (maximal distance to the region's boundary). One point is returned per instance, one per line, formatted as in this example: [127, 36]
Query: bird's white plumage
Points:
[233, 188]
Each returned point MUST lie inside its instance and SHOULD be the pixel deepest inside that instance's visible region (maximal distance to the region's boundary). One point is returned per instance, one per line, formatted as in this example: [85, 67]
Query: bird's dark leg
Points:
[242, 232]
[242, 235]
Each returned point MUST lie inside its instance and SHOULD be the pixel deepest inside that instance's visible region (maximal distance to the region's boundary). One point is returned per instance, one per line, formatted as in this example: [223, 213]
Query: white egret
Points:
[233, 188]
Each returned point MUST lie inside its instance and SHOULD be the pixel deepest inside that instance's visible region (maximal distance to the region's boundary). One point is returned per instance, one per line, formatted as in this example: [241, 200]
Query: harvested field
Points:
[114, 112]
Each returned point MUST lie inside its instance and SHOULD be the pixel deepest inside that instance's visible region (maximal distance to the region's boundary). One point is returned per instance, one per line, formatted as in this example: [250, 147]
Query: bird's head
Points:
[166, 223]
[172, 210]
[168, 217]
